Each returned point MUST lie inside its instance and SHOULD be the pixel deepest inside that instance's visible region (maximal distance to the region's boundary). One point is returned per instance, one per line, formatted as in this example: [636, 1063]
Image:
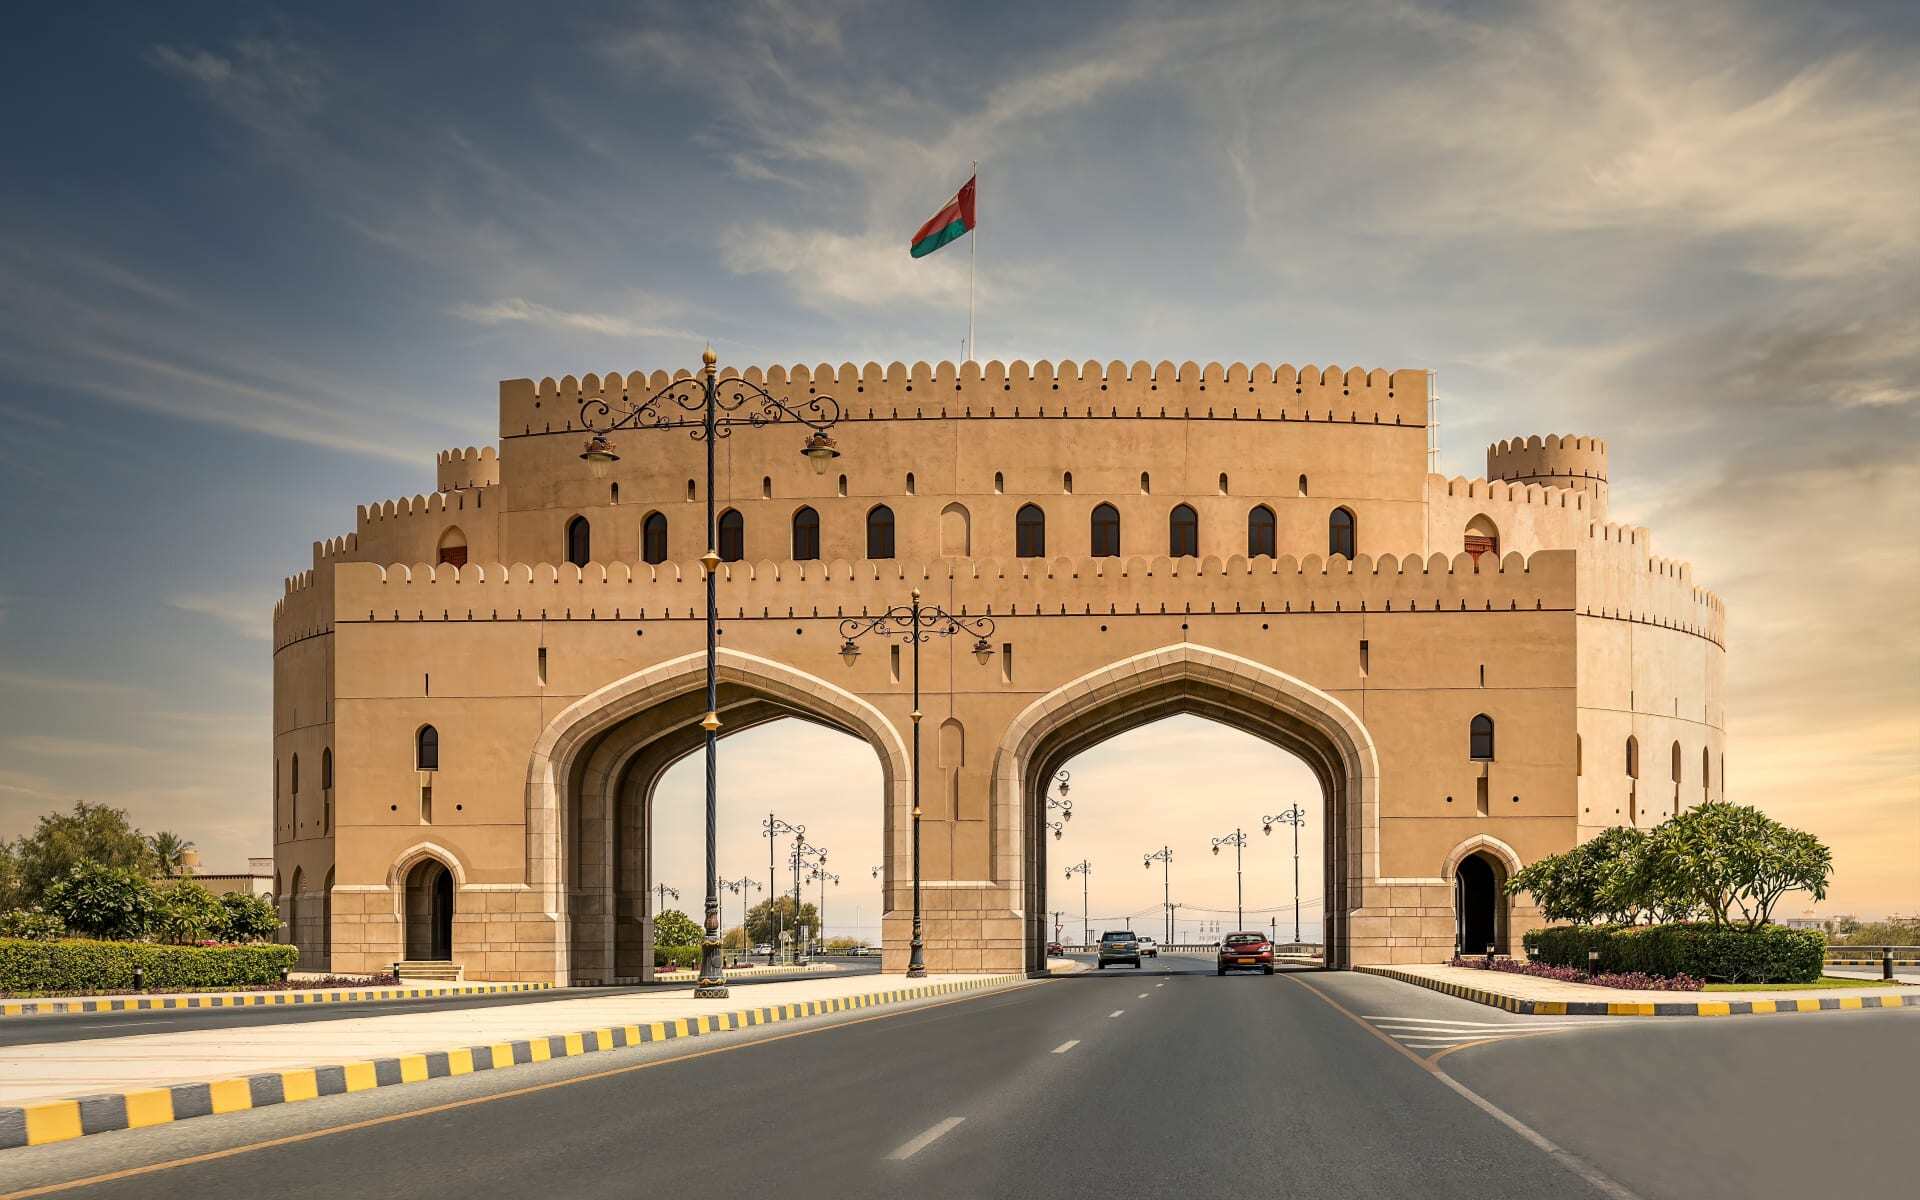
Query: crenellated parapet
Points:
[472, 467]
[1620, 576]
[994, 389]
[1564, 461]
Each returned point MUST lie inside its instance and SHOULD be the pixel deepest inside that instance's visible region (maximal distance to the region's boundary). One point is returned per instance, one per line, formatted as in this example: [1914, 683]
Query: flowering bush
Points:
[1633, 980]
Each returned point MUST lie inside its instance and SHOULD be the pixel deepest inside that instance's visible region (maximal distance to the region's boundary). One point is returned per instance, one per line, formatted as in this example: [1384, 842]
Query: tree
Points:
[169, 852]
[1730, 859]
[767, 918]
[675, 928]
[104, 902]
[248, 918]
[189, 913]
[12, 886]
[736, 938]
[91, 833]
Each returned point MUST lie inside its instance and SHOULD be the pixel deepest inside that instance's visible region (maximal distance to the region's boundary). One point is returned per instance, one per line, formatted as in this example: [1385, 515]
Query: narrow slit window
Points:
[540, 666]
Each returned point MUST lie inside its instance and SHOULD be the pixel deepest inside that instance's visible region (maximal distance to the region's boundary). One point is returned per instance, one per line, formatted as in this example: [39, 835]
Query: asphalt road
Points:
[1167, 1081]
[17, 1031]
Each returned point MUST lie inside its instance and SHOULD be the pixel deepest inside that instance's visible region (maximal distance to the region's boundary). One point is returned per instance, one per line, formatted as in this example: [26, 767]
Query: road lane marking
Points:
[510, 1094]
[926, 1139]
[1567, 1159]
[1116, 1012]
[1065, 1046]
[1159, 985]
[1143, 995]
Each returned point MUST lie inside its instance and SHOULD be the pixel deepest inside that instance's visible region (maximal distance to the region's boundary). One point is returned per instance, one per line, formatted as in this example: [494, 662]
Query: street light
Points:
[1083, 868]
[1238, 841]
[810, 858]
[740, 887]
[1059, 827]
[824, 876]
[770, 829]
[1164, 856]
[708, 416]
[664, 891]
[1296, 817]
[913, 623]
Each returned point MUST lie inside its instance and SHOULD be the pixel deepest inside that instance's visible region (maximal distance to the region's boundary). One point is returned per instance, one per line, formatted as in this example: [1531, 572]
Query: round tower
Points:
[1579, 463]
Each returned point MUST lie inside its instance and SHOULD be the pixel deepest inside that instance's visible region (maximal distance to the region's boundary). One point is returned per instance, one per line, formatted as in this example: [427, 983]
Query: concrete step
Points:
[428, 969]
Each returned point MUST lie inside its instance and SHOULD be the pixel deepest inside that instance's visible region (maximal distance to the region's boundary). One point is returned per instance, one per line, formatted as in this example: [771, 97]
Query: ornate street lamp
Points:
[770, 829]
[1296, 817]
[1058, 827]
[707, 405]
[1238, 841]
[914, 623]
[740, 887]
[1163, 856]
[825, 877]
[1083, 868]
[1061, 802]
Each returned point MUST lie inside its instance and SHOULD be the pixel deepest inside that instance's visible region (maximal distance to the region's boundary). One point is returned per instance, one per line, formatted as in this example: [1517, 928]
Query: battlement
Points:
[1234, 391]
[1557, 460]
[469, 468]
[436, 504]
[1461, 487]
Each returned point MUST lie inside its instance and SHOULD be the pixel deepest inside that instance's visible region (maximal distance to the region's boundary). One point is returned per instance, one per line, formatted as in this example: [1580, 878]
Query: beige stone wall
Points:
[1573, 638]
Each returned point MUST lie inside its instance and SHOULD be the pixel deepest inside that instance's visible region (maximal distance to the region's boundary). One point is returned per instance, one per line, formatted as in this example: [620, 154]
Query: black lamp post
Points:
[740, 887]
[770, 829]
[1083, 868]
[1164, 856]
[913, 623]
[1238, 841]
[825, 877]
[706, 404]
[809, 858]
[1296, 817]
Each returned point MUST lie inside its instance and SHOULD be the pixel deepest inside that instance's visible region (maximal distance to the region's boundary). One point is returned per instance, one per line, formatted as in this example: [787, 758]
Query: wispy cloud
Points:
[519, 310]
[249, 614]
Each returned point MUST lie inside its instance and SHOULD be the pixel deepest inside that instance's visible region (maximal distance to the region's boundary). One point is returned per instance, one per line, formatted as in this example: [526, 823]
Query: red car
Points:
[1055, 948]
[1245, 952]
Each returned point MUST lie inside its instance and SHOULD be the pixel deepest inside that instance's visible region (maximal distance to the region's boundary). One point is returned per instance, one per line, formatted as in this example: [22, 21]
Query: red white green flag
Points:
[950, 224]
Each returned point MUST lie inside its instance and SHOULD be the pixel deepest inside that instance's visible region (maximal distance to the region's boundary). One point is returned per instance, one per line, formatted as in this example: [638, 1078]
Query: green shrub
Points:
[103, 901]
[31, 924]
[75, 965]
[1719, 953]
[248, 918]
[676, 956]
[189, 913]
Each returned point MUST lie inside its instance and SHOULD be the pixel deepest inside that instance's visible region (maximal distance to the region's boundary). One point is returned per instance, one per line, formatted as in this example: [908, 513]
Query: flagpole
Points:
[973, 257]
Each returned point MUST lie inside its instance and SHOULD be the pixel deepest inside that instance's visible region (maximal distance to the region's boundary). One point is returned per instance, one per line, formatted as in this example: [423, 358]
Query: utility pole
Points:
[1083, 869]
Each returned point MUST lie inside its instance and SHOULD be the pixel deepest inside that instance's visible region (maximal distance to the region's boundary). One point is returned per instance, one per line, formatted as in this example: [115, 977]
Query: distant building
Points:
[257, 880]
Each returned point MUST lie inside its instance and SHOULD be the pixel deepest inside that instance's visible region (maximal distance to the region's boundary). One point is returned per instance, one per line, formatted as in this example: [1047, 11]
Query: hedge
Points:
[1719, 953]
[82, 965]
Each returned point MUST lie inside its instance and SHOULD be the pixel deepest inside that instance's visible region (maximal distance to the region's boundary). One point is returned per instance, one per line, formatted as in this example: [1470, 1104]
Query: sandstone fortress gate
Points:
[476, 690]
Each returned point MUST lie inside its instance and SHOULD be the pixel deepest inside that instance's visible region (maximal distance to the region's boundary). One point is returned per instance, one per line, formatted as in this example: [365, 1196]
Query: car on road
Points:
[1245, 952]
[763, 948]
[1119, 946]
[1149, 948]
[863, 952]
[1055, 948]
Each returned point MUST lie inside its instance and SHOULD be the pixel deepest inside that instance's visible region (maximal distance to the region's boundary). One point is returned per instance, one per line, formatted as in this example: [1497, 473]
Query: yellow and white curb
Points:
[1662, 1008]
[104, 1004]
[61, 1120]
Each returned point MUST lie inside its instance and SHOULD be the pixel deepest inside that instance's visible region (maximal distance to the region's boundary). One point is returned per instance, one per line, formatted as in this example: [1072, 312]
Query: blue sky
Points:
[258, 266]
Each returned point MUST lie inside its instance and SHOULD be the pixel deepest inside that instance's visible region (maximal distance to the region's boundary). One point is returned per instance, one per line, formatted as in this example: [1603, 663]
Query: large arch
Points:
[623, 736]
[1188, 678]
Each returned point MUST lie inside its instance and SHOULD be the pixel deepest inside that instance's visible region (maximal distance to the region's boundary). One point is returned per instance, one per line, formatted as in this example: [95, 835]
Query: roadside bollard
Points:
[1489, 956]
[1593, 963]
[139, 978]
[1886, 963]
[283, 974]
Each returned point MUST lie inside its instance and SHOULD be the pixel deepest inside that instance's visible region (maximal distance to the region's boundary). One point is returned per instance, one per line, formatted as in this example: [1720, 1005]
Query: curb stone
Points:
[43, 1008]
[61, 1120]
[1663, 1008]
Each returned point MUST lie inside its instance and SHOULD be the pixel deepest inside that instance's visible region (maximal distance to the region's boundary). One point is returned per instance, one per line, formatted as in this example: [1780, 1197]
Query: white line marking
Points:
[926, 1139]
[1466, 1024]
[1065, 1046]
[1116, 1012]
[1159, 985]
[1143, 995]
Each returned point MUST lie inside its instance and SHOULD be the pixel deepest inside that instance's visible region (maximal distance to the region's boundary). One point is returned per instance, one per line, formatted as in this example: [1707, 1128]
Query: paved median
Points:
[177, 1000]
[56, 1092]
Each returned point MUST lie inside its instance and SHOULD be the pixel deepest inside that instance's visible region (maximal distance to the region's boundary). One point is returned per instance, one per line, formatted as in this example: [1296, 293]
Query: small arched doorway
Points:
[429, 912]
[1479, 905]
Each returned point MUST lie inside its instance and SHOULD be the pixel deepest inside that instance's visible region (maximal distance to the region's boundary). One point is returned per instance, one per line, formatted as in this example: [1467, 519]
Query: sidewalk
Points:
[419, 989]
[54, 1091]
[1551, 997]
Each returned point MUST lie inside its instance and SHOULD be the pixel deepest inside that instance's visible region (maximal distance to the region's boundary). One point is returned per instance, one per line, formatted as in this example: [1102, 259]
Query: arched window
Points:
[1030, 532]
[1480, 739]
[326, 768]
[293, 774]
[1706, 773]
[879, 532]
[653, 538]
[1146, 484]
[843, 485]
[426, 748]
[733, 536]
[1633, 758]
[1676, 762]
[806, 534]
[1342, 532]
[999, 482]
[1303, 485]
[1223, 483]
[453, 547]
[1260, 532]
[614, 493]
[579, 542]
[1106, 531]
[1066, 482]
[1482, 537]
[766, 487]
[911, 490]
[1183, 532]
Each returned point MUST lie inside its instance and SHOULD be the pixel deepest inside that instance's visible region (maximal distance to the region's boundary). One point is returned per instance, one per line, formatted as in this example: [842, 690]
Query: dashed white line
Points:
[1159, 985]
[1143, 995]
[1116, 1012]
[926, 1139]
[1065, 1046]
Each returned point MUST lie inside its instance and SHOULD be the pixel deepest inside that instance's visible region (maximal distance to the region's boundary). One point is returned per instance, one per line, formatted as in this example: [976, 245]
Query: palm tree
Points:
[171, 851]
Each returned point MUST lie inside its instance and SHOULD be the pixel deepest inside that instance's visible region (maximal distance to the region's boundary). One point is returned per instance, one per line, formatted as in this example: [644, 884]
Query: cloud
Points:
[247, 613]
[519, 310]
[55, 683]
[825, 269]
